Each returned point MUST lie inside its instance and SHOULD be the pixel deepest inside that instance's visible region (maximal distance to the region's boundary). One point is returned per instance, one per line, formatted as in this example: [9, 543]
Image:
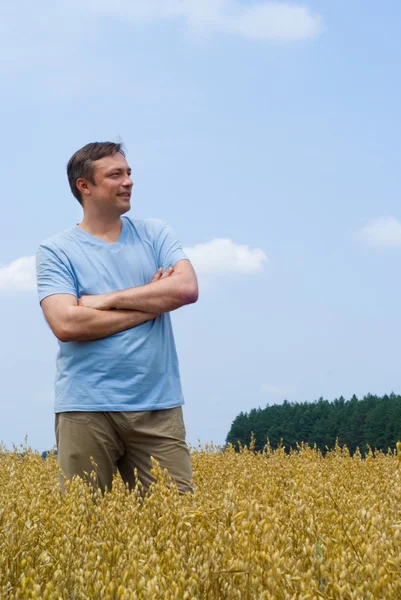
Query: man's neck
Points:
[106, 229]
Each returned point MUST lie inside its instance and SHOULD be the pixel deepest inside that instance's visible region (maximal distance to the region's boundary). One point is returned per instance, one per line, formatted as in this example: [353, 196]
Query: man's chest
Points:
[112, 268]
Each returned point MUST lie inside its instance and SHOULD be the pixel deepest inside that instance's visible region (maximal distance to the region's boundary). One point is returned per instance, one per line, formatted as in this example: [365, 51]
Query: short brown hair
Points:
[81, 163]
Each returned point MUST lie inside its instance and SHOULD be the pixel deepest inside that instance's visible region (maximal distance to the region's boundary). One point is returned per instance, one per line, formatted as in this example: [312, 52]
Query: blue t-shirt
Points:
[133, 370]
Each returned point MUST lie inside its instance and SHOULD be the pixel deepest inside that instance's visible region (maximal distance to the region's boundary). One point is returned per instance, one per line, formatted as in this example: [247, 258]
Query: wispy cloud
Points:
[54, 38]
[53, 33]
[19, 275]
[271, 21]
[223, 256]
[218, 257]
[383, 231]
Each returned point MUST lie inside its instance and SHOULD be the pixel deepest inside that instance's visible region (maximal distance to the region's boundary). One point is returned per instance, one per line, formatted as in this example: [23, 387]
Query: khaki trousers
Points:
[123, 441]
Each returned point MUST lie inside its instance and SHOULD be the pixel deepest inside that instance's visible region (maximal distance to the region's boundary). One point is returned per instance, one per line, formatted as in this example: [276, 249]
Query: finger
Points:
[167, 273]
[157, 275]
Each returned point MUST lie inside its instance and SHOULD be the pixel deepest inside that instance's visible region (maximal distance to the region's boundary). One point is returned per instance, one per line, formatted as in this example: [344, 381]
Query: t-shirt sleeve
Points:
[168, 249]
[53, 274]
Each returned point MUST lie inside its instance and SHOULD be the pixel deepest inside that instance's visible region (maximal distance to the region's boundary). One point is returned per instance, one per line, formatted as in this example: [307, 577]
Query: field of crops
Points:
[266, 525]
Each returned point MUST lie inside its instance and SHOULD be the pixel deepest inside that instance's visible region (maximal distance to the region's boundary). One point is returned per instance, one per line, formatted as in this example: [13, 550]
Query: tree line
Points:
[373, 422]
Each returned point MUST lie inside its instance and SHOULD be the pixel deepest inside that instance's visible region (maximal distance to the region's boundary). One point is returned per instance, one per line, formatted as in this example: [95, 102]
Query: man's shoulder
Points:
[58, 241]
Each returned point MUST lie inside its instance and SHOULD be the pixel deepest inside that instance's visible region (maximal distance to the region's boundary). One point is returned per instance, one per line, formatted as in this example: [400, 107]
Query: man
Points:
[106, 287]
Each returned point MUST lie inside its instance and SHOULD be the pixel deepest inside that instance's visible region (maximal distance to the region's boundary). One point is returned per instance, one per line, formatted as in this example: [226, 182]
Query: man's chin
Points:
[124, 208]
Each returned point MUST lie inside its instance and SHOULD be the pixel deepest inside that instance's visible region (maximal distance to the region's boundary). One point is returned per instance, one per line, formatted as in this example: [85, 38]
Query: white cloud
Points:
[272, 21]
[19, 275]
[223, 256]
[383, 231]
[219, 256]
[53, 34]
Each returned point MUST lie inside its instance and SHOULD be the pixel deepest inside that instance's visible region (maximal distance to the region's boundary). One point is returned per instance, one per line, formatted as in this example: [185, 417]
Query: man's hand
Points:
[158, 275]
[102, 301]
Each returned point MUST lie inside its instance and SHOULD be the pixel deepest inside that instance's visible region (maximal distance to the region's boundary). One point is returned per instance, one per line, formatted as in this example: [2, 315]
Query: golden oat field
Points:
[276, 525]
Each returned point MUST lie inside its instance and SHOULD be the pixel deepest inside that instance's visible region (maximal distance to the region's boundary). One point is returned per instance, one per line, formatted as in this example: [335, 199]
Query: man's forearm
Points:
[162, 296]
[152, 298]
[176, 287]
[87, 324]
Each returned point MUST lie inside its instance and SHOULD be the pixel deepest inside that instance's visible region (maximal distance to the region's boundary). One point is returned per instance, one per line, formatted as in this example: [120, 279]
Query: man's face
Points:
[113, 184]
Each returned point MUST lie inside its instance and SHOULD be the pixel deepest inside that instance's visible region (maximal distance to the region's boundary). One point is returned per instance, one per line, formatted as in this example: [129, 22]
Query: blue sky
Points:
[268, 135]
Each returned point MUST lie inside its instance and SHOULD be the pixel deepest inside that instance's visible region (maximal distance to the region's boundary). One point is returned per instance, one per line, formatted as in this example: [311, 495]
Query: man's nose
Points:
[128, 182]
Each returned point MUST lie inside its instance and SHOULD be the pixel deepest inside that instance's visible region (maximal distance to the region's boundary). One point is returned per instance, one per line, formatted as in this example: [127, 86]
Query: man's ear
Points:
[83, 186]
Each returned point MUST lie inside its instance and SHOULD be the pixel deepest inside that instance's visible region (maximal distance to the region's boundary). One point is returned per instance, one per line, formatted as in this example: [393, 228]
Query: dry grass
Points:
[267, 525]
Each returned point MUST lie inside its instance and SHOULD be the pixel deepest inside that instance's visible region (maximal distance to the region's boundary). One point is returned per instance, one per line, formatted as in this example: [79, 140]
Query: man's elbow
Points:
[189, 294]
[64, 328]
[63, 333]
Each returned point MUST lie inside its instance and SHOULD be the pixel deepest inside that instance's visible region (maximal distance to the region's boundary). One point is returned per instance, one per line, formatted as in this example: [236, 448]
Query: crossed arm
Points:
[91, 317]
